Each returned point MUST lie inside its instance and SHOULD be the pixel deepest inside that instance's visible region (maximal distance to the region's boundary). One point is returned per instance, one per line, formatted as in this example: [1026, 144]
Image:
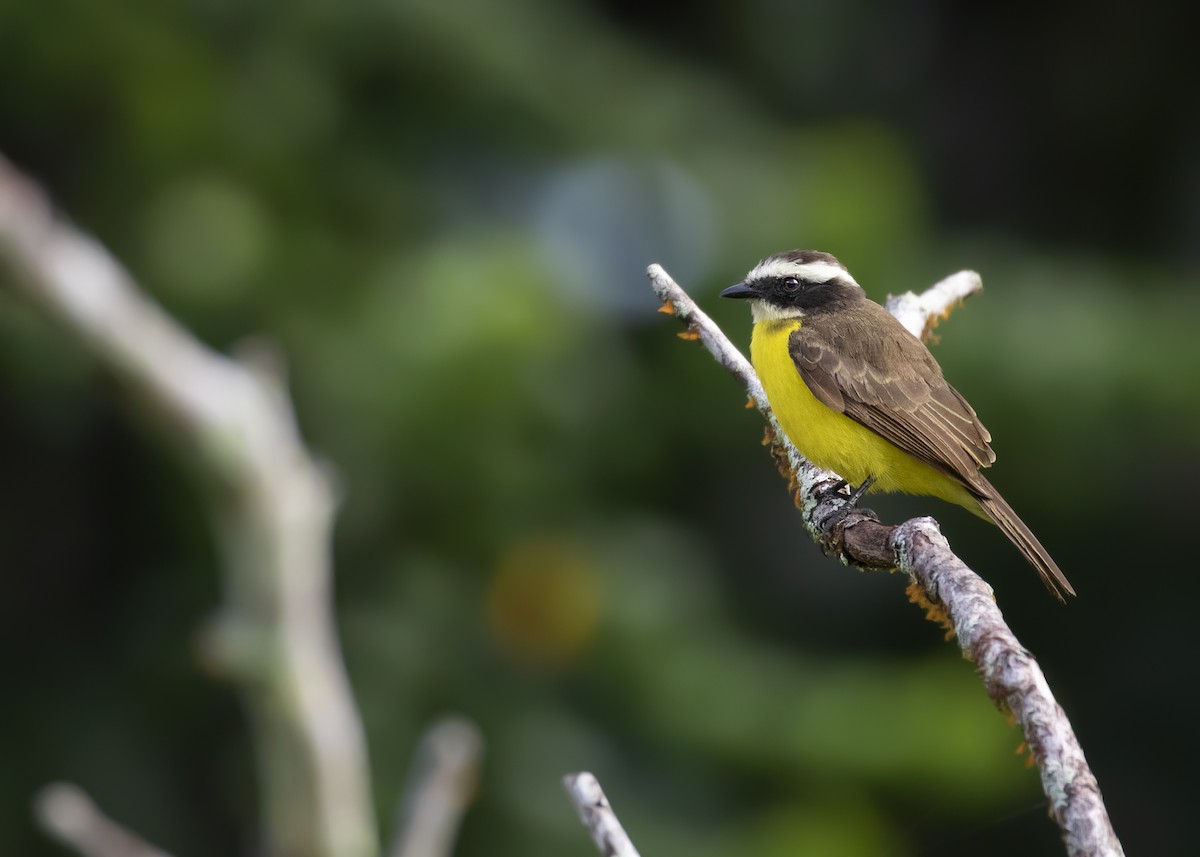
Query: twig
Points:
[274, 508]
[66, 813]
[442, 784]
[921, 313]
[597, 815]
[955, 596]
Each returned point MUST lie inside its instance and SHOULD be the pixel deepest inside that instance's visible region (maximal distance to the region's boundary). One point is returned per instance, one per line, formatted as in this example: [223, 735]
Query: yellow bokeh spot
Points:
[544, 602]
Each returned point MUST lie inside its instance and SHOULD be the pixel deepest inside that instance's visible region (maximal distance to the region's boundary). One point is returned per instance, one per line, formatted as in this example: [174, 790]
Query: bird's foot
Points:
[835, 489]
[857, 494]
[849, 504]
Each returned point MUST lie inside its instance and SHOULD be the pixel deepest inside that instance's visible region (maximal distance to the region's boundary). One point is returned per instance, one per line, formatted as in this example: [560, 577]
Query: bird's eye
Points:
[790, 284]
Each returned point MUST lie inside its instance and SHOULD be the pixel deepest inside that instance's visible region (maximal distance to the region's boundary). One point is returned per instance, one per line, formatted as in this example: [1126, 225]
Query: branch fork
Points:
[275, 636]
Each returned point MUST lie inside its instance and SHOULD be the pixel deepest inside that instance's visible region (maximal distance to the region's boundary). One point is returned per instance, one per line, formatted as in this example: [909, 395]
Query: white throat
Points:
[763, 311]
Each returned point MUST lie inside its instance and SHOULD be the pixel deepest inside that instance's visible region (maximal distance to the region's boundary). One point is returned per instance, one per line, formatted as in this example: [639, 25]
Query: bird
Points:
[857, 393]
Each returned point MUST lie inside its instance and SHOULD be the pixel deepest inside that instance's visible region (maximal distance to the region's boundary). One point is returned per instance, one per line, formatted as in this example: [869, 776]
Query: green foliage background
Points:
[557, 517]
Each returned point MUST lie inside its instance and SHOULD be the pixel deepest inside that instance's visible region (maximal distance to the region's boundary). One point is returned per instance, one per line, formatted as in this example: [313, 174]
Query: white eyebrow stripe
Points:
[813, 272]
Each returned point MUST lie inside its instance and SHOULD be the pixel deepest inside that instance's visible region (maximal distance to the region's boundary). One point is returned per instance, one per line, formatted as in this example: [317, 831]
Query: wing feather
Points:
[881, 376]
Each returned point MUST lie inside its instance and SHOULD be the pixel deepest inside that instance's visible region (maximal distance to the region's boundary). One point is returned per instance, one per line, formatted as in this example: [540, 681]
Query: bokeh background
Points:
[558, 519]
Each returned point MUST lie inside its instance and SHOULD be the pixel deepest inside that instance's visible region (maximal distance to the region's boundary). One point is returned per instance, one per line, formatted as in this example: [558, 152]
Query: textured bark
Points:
[1015, 683]
[597, 815]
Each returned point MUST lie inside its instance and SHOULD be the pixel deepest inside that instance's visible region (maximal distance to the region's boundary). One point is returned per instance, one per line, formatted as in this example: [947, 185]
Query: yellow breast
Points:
[832, 440]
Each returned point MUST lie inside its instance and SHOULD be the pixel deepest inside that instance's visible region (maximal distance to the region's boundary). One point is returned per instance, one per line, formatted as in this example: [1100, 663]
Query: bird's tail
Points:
[1020, 535]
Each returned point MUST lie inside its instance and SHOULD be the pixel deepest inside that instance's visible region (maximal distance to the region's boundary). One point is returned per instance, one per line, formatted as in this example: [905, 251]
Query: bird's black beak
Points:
[740, 290]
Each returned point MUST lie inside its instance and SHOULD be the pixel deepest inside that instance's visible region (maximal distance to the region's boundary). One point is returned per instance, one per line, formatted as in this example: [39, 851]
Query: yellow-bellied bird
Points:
[858, 394]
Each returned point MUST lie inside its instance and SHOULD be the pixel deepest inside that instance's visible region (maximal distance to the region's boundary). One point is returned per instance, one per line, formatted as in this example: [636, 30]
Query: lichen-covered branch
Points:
[1014, 681]
[921, 313]
[597, 815]
[442, 783]
[273, 506]
[954, 595]
[66, 813]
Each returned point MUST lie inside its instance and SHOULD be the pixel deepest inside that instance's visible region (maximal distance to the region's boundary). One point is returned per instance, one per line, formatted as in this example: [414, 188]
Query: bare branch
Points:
[954, 595]
[274, 508]
[442, 784]
[597, 815]
[67, 814]
[921, 313]
[1014, 681]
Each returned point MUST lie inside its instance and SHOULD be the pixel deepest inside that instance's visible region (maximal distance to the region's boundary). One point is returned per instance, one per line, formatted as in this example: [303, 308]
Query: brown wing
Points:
[869, 367]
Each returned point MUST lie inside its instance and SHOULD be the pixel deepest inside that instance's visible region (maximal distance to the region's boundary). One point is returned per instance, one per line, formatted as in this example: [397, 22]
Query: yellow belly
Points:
[832, 440]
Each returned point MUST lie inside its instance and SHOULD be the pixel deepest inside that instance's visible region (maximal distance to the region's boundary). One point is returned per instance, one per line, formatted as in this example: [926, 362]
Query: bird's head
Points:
[795, 284]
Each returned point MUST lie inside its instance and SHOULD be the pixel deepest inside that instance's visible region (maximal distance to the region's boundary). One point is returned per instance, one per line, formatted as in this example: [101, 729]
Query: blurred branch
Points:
[274, 508]
[954, 595]
[597, 815]
[67, 814]
[442, 784]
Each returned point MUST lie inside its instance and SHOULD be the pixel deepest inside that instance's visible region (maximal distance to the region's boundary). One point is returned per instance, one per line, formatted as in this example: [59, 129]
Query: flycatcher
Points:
[858, 394]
